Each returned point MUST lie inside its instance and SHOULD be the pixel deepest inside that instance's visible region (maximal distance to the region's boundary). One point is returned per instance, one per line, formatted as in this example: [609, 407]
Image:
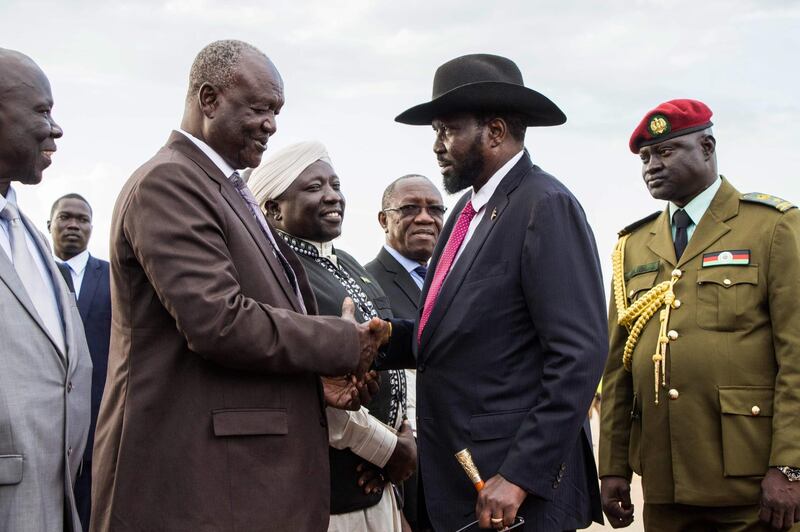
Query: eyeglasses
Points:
[435, 211]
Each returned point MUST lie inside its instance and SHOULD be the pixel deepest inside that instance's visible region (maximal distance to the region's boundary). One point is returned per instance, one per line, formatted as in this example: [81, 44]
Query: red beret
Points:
[669, 120]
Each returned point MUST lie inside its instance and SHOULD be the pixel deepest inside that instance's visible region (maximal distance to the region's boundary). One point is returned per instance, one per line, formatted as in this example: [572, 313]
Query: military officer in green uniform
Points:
[701, 392]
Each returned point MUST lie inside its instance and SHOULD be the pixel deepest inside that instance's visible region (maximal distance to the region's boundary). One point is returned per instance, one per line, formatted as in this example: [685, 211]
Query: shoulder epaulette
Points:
[767, 199]
[637, 224]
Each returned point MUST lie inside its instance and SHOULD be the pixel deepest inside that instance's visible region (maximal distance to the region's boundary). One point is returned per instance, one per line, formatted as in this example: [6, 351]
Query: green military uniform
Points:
[729, 391]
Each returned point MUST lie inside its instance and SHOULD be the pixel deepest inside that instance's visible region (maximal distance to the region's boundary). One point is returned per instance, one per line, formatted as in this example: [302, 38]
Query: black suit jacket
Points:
[511, 355]
[397, 284]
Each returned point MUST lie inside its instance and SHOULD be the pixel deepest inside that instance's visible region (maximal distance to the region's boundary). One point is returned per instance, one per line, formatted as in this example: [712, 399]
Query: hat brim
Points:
[537, 108]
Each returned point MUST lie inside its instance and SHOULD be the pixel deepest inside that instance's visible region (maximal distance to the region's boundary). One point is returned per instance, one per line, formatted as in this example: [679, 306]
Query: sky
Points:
[119, 71]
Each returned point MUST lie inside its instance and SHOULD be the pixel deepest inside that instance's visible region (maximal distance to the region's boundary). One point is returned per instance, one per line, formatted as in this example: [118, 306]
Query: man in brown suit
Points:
[213, 413]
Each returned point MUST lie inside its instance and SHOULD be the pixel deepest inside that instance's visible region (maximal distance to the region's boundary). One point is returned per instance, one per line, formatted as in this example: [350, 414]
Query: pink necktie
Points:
[445, 262]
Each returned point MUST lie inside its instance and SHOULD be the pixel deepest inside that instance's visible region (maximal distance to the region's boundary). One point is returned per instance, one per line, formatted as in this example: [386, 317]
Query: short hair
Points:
[217, 64]
[387, 194]
[517, 123]
[71, 195]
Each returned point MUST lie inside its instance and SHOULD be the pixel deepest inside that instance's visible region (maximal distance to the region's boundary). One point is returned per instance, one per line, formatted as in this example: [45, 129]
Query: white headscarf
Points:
[275, 174]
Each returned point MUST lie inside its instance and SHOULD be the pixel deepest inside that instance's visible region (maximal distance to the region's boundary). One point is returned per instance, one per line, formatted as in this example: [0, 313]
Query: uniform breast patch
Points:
[642, 268]
[732, 257]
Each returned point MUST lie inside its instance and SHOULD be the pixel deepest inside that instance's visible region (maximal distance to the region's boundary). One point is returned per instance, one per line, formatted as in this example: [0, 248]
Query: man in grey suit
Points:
[46, 376]
[411, 215]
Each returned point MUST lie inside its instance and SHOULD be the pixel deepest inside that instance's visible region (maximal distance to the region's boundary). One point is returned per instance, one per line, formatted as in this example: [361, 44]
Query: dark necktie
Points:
[237, 181]
[681, 222]
[421, 271]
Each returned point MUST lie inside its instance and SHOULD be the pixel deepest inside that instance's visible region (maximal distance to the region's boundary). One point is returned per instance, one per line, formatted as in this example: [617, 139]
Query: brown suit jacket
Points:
[212, 416]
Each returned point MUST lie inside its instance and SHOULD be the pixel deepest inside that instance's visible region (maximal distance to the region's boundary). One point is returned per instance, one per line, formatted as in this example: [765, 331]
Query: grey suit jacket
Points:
[44, 405]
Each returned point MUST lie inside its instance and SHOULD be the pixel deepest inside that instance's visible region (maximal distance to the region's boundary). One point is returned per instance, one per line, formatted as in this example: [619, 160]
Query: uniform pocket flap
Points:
[746, 400]
[727, 276]
[495, 425]
[10, 469]
[250, 422]
[640, 282]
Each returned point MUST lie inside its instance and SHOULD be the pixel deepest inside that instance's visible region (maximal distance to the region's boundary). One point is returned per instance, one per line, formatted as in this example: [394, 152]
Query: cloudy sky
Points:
[119, 70]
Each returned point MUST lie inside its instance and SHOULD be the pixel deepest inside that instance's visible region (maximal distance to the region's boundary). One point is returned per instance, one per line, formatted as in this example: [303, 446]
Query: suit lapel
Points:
[236, 202]
[493, 210]
[400, 276]
[62, 293]
[712, 226]
[91, 276]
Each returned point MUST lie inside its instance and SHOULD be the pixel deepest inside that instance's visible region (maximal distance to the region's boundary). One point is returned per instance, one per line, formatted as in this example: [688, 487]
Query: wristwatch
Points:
[791, 473]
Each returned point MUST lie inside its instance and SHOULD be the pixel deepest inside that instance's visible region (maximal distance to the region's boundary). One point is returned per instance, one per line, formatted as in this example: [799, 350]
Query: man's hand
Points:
[615, 494]
[371, 335]
[780, 500]
[403, 461]
[499, 499]
[348, 393]
[341, 392]
[370, 478]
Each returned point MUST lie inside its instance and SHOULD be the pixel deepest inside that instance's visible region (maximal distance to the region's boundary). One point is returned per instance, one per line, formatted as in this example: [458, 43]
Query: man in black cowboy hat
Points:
[512, 329]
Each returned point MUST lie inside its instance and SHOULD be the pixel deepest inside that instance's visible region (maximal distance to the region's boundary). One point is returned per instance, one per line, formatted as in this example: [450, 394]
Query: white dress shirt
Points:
[77, 267]
[695, 208]
[482, 197]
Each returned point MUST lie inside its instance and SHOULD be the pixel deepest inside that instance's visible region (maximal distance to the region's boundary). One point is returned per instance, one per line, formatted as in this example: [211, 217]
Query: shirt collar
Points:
[698, 206]
[78, 263]
[10, 197]
[220, 163]
[482, 196]
[409, 264]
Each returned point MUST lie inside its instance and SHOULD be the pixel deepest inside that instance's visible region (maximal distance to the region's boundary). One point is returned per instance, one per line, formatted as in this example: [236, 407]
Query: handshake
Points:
[350, 391]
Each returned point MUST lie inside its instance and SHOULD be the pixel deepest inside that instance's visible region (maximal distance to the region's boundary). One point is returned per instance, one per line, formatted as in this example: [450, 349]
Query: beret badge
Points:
[659, 125]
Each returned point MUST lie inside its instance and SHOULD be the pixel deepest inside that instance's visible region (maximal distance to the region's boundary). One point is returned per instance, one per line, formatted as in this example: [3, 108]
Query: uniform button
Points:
[69, 386]
[755, 410]
[673, 334]
[560, 475]
[674, 394]
[563, 467]
[726, 282]
[677, 273]
[631, 293]
[555, 485]
[69, 451]
[676, 303]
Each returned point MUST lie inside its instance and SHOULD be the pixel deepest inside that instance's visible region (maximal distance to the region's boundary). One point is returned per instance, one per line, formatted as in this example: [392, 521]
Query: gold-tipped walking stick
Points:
[464, 458]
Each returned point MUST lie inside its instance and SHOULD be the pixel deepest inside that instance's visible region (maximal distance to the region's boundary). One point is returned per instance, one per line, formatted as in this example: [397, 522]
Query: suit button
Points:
[69, 451]
[69, 386]
[673, 334]
[421, 367]
[674, 394]
[555, 485]
[563, 467]
[755, 410]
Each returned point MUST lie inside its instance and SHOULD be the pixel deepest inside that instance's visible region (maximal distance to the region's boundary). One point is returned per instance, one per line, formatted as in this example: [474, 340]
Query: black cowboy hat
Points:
[483, 82]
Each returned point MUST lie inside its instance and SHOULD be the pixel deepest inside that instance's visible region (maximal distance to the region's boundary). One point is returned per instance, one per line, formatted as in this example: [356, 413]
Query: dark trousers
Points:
[83, 494]
[687, 518]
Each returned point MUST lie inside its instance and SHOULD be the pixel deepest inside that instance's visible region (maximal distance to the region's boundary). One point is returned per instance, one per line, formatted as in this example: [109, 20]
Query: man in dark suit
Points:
[70, 227]
[512, 329]
[213, 414]
[411, 215]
